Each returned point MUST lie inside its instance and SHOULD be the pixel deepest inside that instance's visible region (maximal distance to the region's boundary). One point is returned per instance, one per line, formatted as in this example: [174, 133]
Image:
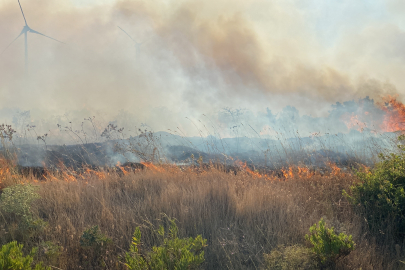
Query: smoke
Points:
[197, 57]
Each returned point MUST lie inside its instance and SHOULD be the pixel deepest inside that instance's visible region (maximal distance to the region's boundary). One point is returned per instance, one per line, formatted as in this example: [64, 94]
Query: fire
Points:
[394, 119]
[297, 172]
[98, 174]
[305, 172]
[86, 174]
[152, 167]
[254, 174]
[6, 172]
[335, 169]
[288, 173]
[125, 172]
[68, 177]
[352, 121]
[387, 116]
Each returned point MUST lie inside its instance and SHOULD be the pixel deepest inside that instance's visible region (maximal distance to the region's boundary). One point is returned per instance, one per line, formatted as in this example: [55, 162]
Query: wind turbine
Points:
[25, 31]
[137, 44]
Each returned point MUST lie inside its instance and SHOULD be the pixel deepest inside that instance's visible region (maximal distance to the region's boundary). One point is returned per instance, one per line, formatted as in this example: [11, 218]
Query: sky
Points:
[197, 58]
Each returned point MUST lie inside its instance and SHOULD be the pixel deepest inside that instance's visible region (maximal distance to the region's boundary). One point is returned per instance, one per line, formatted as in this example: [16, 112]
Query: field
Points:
[187, 135]
[242, 214]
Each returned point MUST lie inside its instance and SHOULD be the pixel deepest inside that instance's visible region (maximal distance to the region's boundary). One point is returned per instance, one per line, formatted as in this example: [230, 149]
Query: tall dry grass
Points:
[242, 215]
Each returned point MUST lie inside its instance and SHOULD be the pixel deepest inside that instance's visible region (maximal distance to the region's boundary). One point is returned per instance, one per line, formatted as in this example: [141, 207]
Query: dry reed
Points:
[242, 215]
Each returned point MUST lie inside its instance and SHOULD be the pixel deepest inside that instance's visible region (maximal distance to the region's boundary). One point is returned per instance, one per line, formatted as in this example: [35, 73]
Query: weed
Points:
[174, 253]
[381, 194]
[12, 258]
[328, 246]
[291, 257]
[17, 200]
[96, 246]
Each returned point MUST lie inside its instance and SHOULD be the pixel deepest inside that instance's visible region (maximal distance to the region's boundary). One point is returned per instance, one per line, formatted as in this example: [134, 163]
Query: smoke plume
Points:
[196, 57]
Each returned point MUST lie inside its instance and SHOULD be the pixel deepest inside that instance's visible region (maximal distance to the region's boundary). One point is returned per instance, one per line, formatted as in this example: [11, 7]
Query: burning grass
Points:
[242, 215]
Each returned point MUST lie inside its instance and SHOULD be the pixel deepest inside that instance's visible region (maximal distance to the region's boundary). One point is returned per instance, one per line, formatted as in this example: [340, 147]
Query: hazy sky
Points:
[198, 57]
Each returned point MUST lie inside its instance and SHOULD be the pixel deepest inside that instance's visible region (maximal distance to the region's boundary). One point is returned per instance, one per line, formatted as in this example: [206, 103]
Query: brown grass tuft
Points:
[242, 216]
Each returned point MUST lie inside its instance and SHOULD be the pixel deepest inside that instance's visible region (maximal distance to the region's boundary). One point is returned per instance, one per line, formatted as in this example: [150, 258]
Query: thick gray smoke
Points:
[196, 57]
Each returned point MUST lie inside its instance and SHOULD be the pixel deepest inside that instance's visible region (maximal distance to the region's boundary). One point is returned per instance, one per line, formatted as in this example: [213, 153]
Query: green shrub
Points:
[173, 253]
[50, 252]
[12, 258]
[381, 195]
[93, 237]
[95, 247]
[291, 257]
[328, 246]
[17, 200]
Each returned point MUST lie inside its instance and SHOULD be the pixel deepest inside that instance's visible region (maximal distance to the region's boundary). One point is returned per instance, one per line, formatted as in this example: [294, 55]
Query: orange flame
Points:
[394, 119]
[288, 174]
[6, 171]
[352, 121]
[297, 172]
[254, 174]
[335, 169]
[152, 167]
[125, 172]
[98, 174]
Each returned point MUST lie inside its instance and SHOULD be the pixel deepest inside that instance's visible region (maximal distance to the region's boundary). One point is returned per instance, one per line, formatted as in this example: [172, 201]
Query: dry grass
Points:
[243, 216]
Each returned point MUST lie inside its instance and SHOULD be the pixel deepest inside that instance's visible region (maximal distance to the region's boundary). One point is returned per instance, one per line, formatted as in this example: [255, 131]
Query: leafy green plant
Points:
[291, 257]
[381, 195]
[96, 246]
[17, 200]
[93, 237]
[174, 252]
[328, 246]
[50, 252]
[12, 258]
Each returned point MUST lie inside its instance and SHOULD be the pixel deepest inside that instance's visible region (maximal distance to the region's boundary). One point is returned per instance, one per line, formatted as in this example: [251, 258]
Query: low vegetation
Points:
[326, 249]
[12, 258]
[209, 218]
[380, 195]
[291, 257]
[173, 253]
[327, 246]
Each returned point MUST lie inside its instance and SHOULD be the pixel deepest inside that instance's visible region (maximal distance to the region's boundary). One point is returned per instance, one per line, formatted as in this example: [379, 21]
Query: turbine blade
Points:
[127, 34]
[22, 12]
[12, 42]
[145, 41]
[36, 32]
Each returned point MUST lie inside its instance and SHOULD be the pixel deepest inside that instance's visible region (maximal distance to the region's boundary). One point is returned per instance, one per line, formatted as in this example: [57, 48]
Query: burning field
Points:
[246, 210]
[243, 214]
[354, 132]
[182, 134]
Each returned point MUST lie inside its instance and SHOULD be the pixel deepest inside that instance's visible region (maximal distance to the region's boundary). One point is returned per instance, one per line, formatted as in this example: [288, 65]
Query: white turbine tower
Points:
[137, 44]
[25, 31]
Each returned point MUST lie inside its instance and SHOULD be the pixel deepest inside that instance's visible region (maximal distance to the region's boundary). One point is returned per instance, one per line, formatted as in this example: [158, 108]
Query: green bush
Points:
[93, 237]
[173, 253]
[291, 257]
[95, 247]
[17, 200]
[12, 258]
[328, 246]
[381, 195]
[49, 252]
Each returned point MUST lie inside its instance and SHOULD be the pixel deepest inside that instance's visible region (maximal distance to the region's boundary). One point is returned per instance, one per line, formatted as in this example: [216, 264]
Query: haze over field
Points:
[198, 57]
[202, 134]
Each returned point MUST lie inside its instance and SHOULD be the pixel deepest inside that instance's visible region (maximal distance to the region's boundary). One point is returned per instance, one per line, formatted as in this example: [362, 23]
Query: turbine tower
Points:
[137, 44]
[25, 31]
